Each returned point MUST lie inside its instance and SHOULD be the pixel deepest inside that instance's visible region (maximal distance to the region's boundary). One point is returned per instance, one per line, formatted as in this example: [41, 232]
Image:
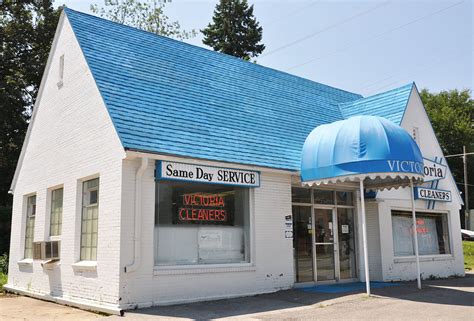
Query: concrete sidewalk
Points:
[451, 299]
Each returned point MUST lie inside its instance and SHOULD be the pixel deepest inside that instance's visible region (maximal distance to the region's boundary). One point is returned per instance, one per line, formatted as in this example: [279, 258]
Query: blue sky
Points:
[360, 46]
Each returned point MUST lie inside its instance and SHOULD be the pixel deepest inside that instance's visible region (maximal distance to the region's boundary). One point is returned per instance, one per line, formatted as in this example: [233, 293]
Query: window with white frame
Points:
[90, 215]
[30, 226]
[432, 230]
[56, 215]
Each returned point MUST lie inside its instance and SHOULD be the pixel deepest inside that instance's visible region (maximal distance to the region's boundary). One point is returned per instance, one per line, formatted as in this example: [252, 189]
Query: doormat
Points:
[346, 287]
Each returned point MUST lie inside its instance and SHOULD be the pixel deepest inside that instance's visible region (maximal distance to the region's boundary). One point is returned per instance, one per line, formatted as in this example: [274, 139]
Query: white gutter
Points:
[137, 218]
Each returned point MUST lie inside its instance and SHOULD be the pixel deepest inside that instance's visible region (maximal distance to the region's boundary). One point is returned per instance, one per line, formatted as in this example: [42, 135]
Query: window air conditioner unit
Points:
[46, 251]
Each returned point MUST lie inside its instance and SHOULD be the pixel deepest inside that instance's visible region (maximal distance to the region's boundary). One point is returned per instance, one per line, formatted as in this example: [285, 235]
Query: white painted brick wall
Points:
[273, 256]
[72, 137]
[453, 264]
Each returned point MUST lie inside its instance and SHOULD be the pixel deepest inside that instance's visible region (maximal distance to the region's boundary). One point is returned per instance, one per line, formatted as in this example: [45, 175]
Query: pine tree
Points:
[234, 30]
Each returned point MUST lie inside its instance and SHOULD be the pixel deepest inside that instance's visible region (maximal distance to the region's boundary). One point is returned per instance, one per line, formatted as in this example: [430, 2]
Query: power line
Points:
[325, 29]
[373, 37]
[457, 183]
[424, 66]
[445, 62]
[293, 13]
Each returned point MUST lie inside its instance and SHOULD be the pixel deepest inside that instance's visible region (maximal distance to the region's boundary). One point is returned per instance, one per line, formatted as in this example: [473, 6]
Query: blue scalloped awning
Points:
[357, 146]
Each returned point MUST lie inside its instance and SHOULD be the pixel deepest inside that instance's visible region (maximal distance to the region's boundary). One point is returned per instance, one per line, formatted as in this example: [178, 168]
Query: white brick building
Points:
[115, 102]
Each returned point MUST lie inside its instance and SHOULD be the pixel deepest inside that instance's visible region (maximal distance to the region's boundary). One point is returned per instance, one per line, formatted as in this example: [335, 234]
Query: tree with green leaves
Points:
[452, 116]
[234, 30]
[146, 15]
[26, 32]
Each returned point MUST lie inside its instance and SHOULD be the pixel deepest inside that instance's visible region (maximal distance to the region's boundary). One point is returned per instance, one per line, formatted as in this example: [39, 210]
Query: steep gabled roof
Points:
[390, 104]
[168, 97]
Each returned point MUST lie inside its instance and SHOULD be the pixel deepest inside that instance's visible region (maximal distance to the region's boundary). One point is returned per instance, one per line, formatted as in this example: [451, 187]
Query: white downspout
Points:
[137, 218]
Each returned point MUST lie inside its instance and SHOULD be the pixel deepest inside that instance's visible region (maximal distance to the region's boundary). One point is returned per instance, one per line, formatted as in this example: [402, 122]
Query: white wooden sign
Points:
[206, 174]
[431, 194]
[433, 171]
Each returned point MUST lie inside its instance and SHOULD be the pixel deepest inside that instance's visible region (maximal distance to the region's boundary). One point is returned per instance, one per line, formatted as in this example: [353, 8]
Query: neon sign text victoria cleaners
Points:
[211, 208]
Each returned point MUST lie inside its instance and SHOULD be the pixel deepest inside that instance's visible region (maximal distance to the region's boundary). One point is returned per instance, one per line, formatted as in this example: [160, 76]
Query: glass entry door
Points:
[346, 243]
[324, 244]
[303, 243]
[323, 235]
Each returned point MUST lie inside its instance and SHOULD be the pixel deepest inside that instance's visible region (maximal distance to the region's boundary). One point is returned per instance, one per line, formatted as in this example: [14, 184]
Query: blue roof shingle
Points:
[165, 96]
[390, 104]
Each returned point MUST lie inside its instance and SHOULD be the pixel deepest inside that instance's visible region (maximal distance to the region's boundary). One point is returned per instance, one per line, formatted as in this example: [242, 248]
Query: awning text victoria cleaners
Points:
[207, 174]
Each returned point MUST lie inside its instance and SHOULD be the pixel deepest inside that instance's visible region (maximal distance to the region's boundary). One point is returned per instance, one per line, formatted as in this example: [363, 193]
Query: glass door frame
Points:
[333, 208]
[335, 242]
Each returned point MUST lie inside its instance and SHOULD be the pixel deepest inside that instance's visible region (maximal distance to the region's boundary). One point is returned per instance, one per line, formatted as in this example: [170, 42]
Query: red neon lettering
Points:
[181, 217]
[213, 200]
[192, 214]
[186, 199]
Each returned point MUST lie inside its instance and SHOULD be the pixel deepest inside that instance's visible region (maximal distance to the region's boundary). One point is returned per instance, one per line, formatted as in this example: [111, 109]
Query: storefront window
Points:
[201, 224]
[432, 229]
[344, 198]
[300, 195]
[323, 196]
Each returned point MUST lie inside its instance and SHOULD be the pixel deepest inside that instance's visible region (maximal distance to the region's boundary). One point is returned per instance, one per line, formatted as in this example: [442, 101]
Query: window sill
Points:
[202, 269]
[55, 238]
[424, 258]
[25, 262]
[85, 266]
[50, 264]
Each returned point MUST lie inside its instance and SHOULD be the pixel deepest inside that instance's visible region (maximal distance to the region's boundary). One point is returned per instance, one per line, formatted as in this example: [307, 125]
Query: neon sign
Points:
[203, 208]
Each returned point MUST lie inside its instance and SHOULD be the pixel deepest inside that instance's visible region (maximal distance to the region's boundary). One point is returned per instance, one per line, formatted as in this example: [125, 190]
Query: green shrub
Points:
[468, 247]
[3, 280]
[4, 264]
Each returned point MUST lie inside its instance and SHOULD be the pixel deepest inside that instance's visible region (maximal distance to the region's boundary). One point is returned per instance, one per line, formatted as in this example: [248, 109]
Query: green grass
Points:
[468, 248]
[3, 281]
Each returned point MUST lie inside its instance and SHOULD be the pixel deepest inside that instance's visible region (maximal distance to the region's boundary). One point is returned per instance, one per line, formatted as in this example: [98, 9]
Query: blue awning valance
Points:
[361, 147]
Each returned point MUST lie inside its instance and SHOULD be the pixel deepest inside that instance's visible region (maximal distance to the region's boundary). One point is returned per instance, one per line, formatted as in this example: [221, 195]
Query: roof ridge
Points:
[249, 63]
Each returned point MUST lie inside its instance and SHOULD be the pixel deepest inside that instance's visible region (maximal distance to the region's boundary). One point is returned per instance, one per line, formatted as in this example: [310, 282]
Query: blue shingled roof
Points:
[165, 96]
[390, 104]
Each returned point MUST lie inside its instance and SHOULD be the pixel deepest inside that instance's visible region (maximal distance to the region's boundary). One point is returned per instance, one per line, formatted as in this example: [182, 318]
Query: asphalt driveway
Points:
[450, 299]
